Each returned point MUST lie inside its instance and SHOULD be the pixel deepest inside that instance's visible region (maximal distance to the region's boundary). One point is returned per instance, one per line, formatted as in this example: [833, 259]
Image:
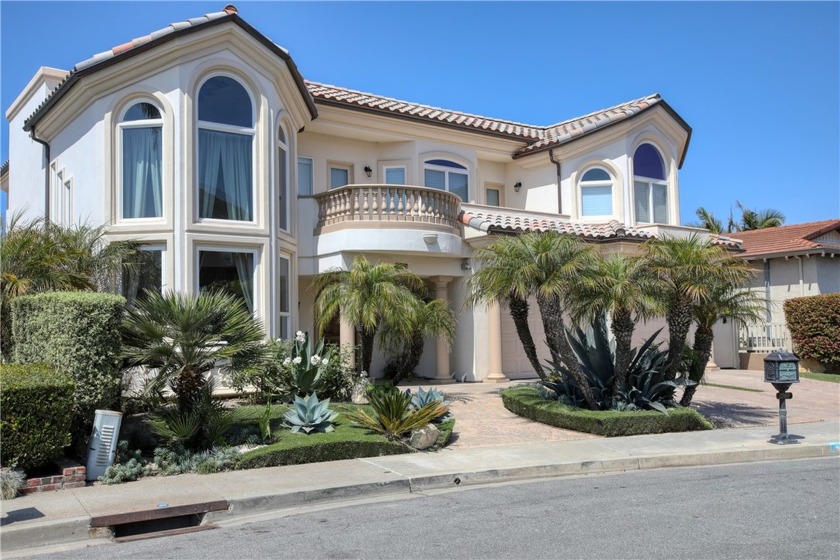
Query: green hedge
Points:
[77, 333]
[35, 401]
[526, 402]
[814, 324]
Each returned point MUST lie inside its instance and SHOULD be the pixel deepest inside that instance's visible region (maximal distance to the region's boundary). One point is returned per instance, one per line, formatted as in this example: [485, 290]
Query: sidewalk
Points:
[39, 520]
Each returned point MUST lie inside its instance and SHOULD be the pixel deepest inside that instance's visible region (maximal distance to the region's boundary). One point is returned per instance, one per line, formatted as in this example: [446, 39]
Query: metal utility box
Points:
[103, 442]
[781, 367]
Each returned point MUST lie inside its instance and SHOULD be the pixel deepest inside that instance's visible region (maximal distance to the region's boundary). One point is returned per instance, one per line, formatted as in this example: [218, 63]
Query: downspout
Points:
[559, 177]
[46, 174]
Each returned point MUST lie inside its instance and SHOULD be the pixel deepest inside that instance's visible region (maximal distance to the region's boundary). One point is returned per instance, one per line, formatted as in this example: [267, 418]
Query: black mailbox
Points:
[781, 367]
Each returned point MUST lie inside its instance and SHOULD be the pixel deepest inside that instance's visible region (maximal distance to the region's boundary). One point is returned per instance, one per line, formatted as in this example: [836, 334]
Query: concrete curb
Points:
[77, 530]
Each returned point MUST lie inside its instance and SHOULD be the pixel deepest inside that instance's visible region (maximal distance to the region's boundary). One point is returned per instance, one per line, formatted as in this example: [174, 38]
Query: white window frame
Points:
[145, 123]
[283, 182]
[385, 169]
[220, 127]
[343, 165]
[650, 183]
[500, 188]
[285, 315]
[154, 247]
[447, 170]
[254, 250]
[61, 196]
[583, 185]
[311, 175]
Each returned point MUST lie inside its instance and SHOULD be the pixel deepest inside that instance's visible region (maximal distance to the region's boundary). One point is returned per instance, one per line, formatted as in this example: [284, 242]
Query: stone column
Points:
[494, 344]
[442, 372]
[711, 365]
[347, 337]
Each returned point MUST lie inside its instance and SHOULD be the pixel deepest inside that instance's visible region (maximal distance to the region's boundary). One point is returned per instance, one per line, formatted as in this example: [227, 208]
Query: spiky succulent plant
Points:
[310, 415]
[425, 396]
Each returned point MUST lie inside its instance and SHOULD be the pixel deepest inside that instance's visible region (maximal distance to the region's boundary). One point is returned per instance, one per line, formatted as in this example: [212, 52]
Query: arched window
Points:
[447, 176]
[225, 150]
[596, 193]
[650, 188]
[282, 180]
[140, 138]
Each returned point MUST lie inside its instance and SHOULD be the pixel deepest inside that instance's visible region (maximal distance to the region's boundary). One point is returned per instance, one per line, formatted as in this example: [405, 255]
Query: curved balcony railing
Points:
[402, 204]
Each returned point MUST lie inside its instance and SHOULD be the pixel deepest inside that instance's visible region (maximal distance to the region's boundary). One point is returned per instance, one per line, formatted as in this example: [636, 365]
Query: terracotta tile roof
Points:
[338, 96]
[140, 44]
[4, 168]
[796, 238]
[564, 132]
[488, 219]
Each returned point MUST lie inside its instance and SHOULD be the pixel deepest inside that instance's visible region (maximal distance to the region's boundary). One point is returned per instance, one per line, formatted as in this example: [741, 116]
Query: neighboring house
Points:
[790, 261]
[204, 141]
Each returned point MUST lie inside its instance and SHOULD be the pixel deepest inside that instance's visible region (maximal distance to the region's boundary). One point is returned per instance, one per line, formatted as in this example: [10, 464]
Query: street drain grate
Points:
[160, 522]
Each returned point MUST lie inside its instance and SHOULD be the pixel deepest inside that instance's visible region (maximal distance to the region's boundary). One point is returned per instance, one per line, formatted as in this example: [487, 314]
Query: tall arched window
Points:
[596, 193]
[225, 150]
[650, 188]
[141, 137]
[282, 180]
[447, 176]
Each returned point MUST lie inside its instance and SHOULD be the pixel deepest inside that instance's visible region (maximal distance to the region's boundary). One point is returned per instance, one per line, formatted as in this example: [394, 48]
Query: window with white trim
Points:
[229, 271]
[141, 162]
[225, 151]
[282, 180]
[650, 188]
[305, 175]
[144, 275]
[284, 295]
[340, 174]
[395, 175]
[596, 191]
[61, 197]
[447, 175]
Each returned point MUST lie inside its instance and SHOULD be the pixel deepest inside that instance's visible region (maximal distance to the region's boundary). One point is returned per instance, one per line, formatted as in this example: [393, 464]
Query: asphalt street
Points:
[779, 510]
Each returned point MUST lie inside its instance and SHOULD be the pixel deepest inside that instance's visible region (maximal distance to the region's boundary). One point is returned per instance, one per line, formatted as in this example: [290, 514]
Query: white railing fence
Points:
[765, 337]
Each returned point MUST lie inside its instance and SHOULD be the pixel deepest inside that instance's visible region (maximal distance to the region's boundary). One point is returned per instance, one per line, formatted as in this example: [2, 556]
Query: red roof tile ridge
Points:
[652, 96]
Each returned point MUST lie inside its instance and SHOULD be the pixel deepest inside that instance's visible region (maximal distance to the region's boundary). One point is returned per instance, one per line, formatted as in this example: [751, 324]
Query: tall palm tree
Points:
[368, 295]
[622, 287]
[737, 304]
[687, 270]
[433, 318]
[182, 337]
[757, 219]
[545, 265]
[707, 220]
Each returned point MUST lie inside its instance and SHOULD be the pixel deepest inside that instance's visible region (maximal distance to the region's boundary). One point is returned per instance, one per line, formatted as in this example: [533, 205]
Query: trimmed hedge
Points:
[77, 333]
[814, 324]
[527, 402]
[35, 401]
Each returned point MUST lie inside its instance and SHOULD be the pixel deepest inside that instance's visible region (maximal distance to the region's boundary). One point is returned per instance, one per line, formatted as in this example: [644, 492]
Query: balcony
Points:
[387, 206]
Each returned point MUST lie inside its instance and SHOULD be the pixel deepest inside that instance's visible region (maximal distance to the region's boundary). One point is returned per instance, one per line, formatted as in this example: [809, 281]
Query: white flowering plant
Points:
[307, 365]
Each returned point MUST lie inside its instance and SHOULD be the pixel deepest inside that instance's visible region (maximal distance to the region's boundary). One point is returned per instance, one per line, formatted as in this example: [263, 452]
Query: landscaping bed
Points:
[527, 402]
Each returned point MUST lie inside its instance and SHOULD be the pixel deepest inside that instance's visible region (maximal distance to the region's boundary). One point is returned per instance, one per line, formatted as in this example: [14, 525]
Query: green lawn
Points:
[830, 377]
[733, 387]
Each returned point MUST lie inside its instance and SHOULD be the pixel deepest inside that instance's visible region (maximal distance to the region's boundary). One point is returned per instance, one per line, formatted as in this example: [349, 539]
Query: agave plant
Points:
[394, 416]
[307, 364]
[310, 415]
[424, 397]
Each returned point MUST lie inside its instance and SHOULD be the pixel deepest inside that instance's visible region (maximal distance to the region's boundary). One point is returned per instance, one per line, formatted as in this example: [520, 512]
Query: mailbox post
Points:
[782, 370]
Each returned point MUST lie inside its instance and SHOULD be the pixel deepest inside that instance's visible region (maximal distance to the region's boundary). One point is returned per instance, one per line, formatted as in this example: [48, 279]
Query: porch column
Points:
[494, 344]
[442, 372]
[711, 365]
[347, 336]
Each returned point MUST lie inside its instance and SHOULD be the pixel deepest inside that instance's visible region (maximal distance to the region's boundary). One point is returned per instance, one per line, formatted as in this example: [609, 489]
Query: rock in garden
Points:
[425, 437]
[359, 393]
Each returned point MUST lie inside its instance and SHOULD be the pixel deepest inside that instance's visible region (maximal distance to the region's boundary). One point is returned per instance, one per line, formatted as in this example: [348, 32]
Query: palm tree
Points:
[433, 318]
[544, 265]
[368, 296]
[687, 270]
[622, 287]
[760, 219]
[737, 304]
[707, 221]
[182, 337]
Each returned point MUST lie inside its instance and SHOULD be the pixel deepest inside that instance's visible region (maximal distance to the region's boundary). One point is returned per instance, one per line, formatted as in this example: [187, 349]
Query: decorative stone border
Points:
[72, 476]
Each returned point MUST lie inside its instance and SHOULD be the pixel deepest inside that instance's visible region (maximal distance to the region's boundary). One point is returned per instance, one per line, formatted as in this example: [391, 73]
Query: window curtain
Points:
[142, 156]
[244, 263]
[225, 175]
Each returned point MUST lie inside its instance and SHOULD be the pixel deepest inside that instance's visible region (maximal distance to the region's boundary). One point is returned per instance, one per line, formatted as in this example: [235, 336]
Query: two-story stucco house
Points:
[204, 141]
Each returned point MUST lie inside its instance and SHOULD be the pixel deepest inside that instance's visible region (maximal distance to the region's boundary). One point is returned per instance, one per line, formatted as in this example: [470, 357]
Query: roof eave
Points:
[75, 76]
[793, 253]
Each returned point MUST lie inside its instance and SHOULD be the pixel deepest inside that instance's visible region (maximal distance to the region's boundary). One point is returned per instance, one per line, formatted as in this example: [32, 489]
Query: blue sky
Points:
[759, 82]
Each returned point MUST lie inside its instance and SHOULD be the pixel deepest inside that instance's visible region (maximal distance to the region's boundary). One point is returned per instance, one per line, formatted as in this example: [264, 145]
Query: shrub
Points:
[34, 423]
[393, 415]
[814, 324]
[527, 402]
[308, 415]
[11, 481]
[77, 333]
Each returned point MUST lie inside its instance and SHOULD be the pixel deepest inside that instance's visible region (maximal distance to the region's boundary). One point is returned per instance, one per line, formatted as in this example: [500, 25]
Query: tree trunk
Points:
[622, 328]
[187, 388]
[561, 351]
[519, 314]
[367, 350]
[679, 320]
[703, 339]
[410, 357]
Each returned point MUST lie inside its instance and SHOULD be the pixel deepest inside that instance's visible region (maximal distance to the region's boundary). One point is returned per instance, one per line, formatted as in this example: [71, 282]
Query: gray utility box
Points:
[781, 367]
[103, 442]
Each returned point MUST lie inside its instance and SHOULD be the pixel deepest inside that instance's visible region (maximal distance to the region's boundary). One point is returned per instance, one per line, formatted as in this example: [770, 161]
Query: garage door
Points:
[514, 362]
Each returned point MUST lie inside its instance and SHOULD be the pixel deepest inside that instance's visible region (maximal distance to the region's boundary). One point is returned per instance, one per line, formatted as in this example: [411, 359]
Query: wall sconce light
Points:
[465, 264]
[517, 186]
[368, 170]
